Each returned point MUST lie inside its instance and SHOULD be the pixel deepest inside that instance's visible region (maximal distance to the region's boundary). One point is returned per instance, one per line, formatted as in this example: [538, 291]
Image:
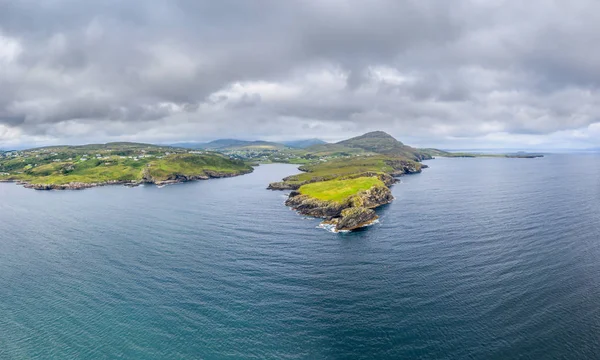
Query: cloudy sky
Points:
[451, 74]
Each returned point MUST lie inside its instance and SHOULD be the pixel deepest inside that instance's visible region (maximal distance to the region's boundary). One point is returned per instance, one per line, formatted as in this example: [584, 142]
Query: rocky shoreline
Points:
[356, 212]
[174, 179]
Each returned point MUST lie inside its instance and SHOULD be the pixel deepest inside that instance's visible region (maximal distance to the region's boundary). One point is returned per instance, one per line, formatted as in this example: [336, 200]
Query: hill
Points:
[383, 143]
[348, 179]
[376, 142]
[234, 144]
[77, 167]
[112, 146]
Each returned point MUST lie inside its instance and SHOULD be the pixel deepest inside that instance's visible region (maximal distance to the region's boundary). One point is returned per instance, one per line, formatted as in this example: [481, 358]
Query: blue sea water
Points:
[476, 259]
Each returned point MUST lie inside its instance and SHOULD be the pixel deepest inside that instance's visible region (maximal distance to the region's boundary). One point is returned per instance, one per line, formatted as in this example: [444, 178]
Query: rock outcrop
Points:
[282, 185]
[310, 206]
[354, 218]
[355, 212]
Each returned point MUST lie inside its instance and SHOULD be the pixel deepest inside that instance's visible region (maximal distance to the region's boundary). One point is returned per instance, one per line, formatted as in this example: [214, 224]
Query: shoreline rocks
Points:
[174, 179]
[74, 185]
[282, 185]
[354, 213]
[353, 218]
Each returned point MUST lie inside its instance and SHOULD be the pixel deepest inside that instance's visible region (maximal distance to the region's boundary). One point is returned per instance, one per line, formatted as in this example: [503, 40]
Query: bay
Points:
[477, 258]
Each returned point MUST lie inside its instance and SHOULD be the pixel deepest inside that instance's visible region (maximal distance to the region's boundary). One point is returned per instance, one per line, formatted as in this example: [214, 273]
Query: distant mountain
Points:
[231, 144]
[189, 145]
[377, 142]
[225, 143]
[303, 144]
[108, 146]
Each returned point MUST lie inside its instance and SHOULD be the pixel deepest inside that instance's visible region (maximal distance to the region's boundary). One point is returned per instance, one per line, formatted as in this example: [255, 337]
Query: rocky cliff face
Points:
[354, 218]
[353, 213]
[282, 185]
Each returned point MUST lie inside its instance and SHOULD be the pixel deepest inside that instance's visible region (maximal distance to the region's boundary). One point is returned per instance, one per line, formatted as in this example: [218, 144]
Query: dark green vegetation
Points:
[74, 167]
[380, 142]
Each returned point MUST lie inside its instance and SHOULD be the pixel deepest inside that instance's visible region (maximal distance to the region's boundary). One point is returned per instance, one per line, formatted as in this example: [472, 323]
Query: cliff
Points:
[353, 212]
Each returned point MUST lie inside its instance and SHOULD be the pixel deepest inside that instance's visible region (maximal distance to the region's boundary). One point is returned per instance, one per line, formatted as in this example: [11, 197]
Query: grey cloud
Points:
[139, 69]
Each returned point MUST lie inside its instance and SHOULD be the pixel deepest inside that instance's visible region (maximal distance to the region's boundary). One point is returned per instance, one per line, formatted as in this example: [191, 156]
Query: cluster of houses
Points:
[259, 155]
[8, 154]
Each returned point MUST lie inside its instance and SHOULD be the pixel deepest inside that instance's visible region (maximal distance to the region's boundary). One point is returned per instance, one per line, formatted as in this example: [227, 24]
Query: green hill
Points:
[99, 164]
[376, 142]
[383, 143]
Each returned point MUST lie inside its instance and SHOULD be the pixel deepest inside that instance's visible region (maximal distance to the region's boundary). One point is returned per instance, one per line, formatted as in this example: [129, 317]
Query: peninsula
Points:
[340, 182]
[345, 190]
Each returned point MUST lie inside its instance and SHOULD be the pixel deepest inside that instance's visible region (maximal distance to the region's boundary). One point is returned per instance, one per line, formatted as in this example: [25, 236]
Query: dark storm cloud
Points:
[431, 70]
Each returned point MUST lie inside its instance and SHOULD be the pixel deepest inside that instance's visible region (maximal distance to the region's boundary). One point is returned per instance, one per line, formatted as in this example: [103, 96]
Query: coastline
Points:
[175, 179]
[356, 211]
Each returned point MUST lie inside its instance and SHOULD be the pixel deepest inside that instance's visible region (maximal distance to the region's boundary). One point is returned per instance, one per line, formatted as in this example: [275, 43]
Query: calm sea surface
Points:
[476, 259]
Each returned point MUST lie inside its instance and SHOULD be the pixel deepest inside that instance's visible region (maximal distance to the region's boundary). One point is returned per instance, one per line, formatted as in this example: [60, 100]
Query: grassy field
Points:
[339, 190]
[99, 163]
[349, 166]
[193, 165]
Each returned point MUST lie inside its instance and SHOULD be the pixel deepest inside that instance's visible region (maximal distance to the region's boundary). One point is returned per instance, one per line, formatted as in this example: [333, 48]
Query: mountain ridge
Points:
[377, 142]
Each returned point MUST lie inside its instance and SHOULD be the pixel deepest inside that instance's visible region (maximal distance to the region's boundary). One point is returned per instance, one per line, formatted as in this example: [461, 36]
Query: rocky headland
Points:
[344, 191]
[354, 212]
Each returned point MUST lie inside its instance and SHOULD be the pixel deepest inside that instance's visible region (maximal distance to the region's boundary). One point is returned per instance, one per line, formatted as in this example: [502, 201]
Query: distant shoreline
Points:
[127, 183]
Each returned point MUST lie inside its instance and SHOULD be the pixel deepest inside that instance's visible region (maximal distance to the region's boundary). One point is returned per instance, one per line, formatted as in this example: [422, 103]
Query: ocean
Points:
[485, 258]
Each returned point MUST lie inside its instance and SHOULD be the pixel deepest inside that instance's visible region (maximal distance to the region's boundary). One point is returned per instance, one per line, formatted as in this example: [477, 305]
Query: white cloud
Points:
[10, 49]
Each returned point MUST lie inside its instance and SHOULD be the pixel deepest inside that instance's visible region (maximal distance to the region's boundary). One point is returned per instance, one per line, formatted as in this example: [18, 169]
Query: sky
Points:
[448, 74]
